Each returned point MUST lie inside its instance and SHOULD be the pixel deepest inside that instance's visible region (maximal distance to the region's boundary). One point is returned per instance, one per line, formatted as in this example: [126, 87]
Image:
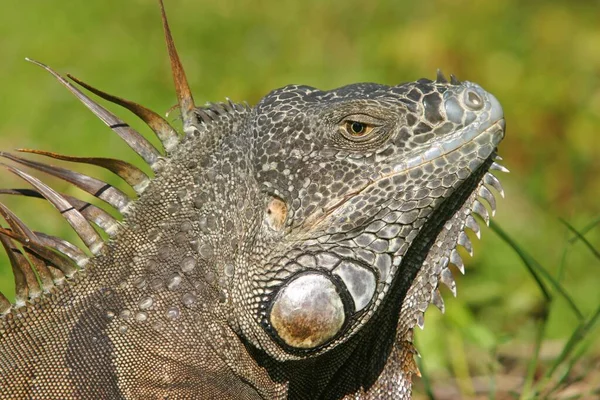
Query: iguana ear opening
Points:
[276, 213]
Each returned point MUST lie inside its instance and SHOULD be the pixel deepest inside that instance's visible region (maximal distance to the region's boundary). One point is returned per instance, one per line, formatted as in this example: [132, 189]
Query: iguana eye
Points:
[356, 129]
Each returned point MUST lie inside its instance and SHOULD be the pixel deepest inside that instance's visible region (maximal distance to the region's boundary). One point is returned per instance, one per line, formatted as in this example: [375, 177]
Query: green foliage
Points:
[515, 315]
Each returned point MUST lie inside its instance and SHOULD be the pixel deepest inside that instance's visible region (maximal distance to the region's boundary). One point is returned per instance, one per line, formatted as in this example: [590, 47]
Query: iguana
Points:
[281, 251]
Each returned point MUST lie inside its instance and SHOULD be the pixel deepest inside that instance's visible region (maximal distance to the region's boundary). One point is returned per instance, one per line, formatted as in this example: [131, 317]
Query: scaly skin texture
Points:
[283, 251]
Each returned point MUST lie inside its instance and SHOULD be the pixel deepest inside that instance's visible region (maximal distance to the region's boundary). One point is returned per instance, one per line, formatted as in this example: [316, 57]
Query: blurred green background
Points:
[541, 59]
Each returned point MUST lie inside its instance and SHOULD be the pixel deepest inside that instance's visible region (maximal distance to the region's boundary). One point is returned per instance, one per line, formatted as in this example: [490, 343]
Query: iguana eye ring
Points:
[356, 130]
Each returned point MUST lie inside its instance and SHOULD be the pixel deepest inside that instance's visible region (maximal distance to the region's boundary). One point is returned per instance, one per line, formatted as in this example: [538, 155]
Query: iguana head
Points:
[353, 176]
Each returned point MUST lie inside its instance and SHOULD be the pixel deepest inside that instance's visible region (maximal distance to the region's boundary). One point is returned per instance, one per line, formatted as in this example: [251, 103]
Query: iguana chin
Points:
[282, 251]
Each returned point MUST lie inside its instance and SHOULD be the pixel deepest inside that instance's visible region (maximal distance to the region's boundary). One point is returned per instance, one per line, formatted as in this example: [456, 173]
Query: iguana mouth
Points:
[493, 133]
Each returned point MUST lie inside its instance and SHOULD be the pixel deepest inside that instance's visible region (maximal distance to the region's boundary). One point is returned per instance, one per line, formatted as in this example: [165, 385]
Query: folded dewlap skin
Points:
[281, 251]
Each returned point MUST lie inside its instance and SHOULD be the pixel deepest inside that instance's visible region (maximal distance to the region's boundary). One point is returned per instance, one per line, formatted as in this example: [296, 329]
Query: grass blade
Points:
[578, 335]
[536, 268]
[585, 229]
[580, 236]
[524, 257]
[493, 372]
[528, 385]
[527, 391]
[563, 379]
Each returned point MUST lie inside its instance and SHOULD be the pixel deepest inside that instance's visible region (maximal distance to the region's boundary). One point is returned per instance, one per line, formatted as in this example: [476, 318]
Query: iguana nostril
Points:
[307, 312]
[473, 100]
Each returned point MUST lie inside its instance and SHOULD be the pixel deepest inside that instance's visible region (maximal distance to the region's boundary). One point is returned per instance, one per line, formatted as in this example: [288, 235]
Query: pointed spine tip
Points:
[182, 88]
[136, 141]
[465, 242]
[456, 259]
[480, 210]
[447, 279]
[420, 320]
[440, 78]
[488, 196]
[498, 167]
[79, 224]
[491, 180]
[165, 132]
[438, 301]
[472, 224]
[135, 177]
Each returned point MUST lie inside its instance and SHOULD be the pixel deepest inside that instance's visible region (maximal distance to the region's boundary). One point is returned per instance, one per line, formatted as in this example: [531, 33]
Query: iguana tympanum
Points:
[281, 251]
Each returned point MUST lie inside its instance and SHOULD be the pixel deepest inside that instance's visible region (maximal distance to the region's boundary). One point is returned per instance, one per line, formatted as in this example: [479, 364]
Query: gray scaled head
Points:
[353, 177]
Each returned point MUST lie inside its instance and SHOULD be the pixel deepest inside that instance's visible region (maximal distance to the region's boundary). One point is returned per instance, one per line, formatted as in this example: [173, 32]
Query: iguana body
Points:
[281, 251]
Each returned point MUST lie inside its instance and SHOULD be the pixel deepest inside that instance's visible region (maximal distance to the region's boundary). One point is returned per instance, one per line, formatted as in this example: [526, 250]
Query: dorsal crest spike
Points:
[92, 213]
[56, 259]
[93, 186]
[165, 132]
[134, 176]
[23, 274]
[136, 141]
[79, 224]
[440, 78]
[184, 94]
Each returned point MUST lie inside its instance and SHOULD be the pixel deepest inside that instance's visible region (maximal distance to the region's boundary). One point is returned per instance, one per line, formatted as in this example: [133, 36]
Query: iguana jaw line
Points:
[494, 129]
[447, 146]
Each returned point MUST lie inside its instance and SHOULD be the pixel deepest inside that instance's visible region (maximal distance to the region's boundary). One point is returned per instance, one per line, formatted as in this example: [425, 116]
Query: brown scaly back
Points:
[40, 261]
